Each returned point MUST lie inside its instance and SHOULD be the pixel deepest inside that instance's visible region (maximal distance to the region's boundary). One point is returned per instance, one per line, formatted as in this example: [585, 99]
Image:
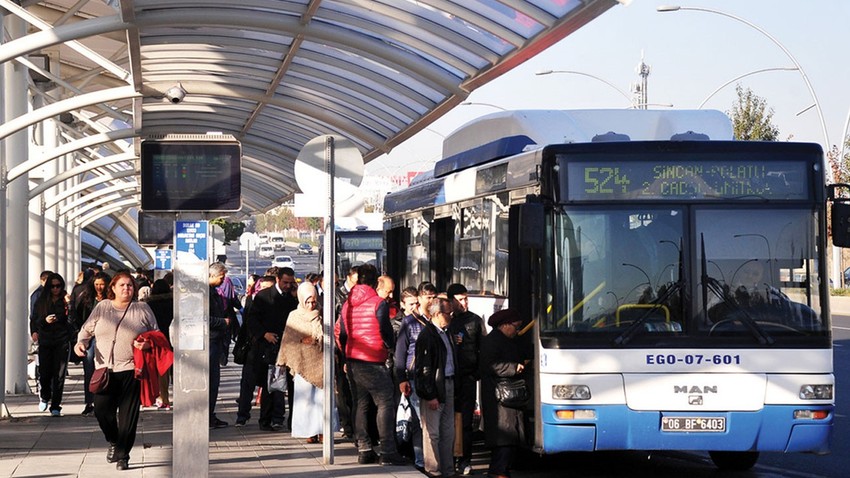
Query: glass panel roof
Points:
[276, 73]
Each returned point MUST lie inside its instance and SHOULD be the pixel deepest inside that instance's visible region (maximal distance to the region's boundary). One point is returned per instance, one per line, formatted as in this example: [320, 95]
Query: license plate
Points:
[693, 424]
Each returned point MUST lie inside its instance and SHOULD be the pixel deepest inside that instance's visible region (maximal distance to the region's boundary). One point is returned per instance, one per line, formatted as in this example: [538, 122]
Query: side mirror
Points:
[840, 215]
[841, 224]
[532, 225]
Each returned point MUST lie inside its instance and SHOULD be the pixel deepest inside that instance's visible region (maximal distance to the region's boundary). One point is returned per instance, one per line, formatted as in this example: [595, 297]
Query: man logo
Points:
[695, 400]
[695, 389]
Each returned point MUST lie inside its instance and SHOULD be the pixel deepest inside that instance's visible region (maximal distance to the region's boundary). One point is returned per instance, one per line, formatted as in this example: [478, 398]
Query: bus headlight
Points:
[570, 392]
[816, 392]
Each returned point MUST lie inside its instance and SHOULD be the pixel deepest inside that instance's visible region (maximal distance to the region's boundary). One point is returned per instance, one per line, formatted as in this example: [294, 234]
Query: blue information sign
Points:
[191, 239]
[163, 260]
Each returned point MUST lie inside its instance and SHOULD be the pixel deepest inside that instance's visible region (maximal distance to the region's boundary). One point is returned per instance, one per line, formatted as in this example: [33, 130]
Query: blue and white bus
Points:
[674, 280]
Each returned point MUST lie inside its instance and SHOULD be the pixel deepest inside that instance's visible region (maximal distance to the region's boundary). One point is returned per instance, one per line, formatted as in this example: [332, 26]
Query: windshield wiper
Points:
[677, 286]
[710, 283]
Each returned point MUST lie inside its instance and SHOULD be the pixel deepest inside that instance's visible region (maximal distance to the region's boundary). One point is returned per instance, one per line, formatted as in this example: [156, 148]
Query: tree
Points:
[751, 117]
[232, 230]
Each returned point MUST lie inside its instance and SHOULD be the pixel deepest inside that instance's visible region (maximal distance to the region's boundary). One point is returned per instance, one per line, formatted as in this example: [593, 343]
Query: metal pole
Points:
[329, 274]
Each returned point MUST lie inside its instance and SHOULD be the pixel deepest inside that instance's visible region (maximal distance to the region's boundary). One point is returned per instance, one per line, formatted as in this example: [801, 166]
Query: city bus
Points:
[674, 281]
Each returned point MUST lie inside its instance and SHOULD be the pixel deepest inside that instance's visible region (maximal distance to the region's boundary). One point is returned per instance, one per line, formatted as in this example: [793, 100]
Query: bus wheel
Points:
[734, 460]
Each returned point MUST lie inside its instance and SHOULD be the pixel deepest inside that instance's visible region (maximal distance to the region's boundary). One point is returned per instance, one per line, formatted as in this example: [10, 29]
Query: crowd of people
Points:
[426, 354]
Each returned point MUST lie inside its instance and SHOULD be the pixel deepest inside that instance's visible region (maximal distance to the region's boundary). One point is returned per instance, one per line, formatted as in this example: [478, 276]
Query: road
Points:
[304, 264]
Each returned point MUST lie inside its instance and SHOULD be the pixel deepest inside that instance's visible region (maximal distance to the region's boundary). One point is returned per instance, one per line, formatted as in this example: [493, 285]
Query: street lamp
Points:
[829, 176]
[571, 72]
[473, 103]
[733, 80]
[676, 8]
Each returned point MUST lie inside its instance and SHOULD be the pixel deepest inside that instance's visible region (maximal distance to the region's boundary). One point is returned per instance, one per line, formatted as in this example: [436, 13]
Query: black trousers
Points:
[255, 373]
[117, 412]
[52, 365]
[465, 389]
[501, 459]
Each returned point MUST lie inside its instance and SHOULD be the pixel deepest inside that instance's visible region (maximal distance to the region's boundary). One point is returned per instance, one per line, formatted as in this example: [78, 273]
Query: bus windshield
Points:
[652, 275]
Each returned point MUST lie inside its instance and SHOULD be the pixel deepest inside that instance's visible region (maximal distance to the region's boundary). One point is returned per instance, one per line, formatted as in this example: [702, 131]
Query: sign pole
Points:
[191, 348]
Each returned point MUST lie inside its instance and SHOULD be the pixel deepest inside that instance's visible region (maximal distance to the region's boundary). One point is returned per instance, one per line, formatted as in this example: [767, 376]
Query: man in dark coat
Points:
[501, 357]
[435, 371]
[467, 330]
[265, 321]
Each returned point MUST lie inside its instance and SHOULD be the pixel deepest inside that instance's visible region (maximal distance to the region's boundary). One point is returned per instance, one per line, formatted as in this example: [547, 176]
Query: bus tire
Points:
[734, 460]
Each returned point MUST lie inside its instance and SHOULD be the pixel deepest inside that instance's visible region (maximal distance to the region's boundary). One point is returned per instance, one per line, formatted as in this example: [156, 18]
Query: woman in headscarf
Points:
[301, 351]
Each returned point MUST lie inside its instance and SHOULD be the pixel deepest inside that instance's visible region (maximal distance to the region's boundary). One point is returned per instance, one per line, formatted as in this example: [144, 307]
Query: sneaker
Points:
[278, 427]
[466, 470]
[216, 423]
[366, 457]
[88, 411]
[42, 406]
[240, 422]
[55, 413]
[393, 459]
[122, 465]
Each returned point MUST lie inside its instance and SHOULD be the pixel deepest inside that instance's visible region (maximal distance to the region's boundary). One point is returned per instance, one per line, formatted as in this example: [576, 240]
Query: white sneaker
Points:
[467, 470]
[42, 406]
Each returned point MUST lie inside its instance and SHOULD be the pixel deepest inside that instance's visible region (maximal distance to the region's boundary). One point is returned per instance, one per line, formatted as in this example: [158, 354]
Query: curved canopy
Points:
[272, 73]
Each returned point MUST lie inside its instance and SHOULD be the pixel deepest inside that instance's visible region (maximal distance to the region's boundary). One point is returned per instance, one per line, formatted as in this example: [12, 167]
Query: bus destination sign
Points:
[685, 180]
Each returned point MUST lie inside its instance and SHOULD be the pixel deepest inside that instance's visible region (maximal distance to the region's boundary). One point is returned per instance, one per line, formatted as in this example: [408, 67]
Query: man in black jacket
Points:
[219, 322]
[265, 321]
[434, 370]
[467, 330]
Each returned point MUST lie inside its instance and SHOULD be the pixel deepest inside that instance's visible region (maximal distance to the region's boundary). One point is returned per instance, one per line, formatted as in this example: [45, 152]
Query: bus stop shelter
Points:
[85, 80]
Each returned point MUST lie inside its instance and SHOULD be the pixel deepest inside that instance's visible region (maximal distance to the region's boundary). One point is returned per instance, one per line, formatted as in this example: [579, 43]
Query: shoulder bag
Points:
[100, 378]
[512, 392]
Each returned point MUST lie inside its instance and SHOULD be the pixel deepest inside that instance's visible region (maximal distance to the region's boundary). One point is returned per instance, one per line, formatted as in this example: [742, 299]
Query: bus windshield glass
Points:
[736, 278]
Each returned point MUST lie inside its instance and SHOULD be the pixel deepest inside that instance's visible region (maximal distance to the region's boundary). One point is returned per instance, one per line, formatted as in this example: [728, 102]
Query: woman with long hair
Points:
[51, 328]
[94, 293]
[115, 324]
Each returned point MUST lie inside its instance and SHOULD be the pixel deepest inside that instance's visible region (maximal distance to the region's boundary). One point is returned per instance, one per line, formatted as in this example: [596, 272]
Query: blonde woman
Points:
[301, 351]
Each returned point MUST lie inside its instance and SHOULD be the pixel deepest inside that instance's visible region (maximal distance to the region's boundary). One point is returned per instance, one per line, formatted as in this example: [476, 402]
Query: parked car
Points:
[305, 248]
[283, 261]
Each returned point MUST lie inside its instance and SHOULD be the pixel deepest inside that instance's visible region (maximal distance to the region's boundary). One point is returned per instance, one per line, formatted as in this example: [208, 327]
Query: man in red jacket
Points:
[365, 336]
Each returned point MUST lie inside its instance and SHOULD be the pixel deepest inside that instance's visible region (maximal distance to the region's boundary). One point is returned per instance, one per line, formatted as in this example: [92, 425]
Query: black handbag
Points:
[512, 392]
[242, 346]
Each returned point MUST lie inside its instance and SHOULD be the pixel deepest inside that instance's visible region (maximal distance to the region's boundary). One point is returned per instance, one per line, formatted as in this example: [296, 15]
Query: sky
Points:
[691, 54]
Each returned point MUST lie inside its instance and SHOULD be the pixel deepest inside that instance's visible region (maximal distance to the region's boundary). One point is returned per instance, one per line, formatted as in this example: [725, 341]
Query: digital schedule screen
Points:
[191, 175]
[674, 178]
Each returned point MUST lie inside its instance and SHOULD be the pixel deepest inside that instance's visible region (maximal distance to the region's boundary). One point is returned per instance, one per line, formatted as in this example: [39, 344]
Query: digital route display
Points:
[603, 179]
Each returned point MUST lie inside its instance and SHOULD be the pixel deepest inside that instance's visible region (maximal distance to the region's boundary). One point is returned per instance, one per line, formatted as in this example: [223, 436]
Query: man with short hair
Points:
[405, 350]
[265, 320]
[218, 328]
[365, 336]
[467, 330]
[434, 371]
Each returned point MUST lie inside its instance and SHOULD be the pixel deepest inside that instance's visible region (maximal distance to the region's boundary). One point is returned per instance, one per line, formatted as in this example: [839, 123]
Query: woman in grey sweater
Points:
[115, 324]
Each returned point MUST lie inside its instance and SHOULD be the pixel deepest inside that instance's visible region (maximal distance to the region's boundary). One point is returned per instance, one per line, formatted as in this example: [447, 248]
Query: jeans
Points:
[88, 370]
[373, 380]
[416, 427]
